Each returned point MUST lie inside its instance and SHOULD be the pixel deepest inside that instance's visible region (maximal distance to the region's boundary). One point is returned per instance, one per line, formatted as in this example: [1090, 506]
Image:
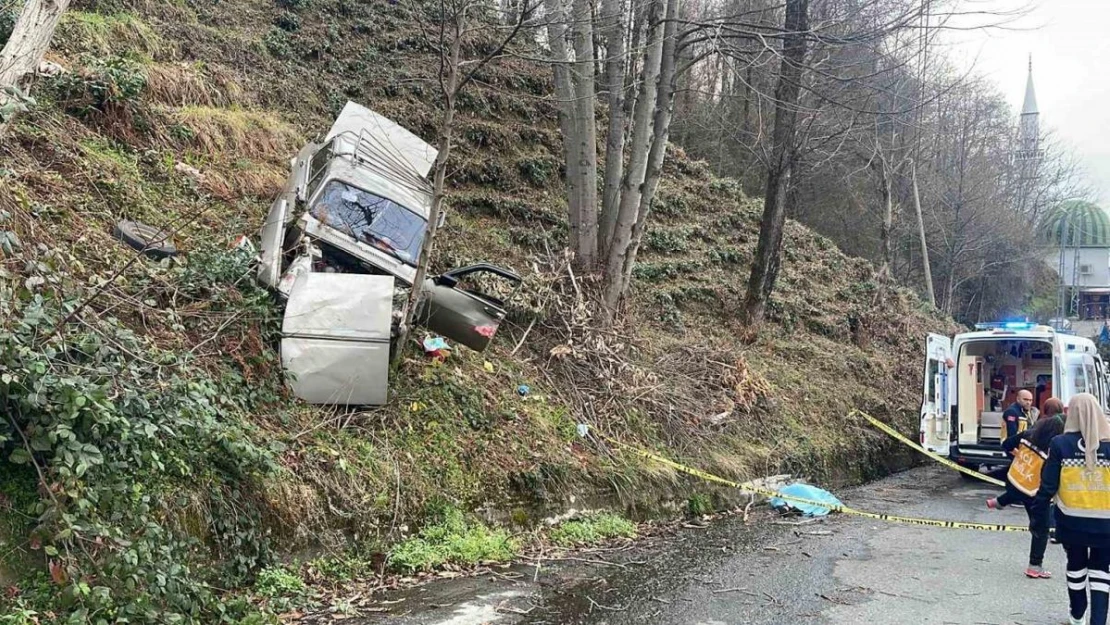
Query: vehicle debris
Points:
[436, 348]
[157, 243]
[341, 243]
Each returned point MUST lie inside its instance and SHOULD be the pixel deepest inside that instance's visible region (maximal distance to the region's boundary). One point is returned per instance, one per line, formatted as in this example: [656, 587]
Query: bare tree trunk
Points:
[924, 245]
[765, 265]
[885, 251]
[564, 91]
[613, 19]
[746, 116]
[452, 80]
[661, 126]
[443, 144]
[30, 39]
[585, 140]
[632, 186]
[632, 69]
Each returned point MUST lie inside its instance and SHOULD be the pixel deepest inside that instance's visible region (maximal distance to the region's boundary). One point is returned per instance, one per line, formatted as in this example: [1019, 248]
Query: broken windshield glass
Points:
[371, 219]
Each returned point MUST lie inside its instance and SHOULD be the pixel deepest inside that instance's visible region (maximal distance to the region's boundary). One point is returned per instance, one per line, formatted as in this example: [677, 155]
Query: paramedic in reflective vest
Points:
[1017, 416]
[1077, 474]
[1029, 449]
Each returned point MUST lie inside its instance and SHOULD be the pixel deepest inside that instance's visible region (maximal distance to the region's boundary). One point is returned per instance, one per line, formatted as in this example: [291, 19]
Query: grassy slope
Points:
[231, 95]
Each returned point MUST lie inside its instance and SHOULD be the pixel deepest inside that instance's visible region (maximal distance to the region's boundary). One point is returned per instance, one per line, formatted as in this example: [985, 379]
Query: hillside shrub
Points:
[592, 530]
[277, 42]
[287, 21]
[104, 85]
[668, 241]
[148, 464]
[537, 171]
[452, 539]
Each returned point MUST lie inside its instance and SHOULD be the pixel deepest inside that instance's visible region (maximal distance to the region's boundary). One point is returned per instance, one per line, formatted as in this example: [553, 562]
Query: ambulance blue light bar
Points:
[1006, 325]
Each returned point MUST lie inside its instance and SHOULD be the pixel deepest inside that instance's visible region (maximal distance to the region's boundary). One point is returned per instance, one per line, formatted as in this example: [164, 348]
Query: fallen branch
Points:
[590, 561]
[748, 507]
[512, 610]
[594, 604]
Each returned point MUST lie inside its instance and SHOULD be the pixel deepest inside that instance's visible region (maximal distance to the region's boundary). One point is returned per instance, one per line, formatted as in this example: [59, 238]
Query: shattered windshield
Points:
[371, 219]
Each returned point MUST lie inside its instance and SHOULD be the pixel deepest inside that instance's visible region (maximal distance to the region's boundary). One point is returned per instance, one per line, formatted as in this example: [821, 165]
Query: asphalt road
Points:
[839, 570]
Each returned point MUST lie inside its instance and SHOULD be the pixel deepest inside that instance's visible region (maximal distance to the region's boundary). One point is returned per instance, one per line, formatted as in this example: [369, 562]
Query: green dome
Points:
[1077, 223]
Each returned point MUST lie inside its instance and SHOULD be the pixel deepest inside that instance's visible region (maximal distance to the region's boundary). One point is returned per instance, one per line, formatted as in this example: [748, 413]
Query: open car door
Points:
[273, 239]
[467, 305]
[277, 220]
[936, 426]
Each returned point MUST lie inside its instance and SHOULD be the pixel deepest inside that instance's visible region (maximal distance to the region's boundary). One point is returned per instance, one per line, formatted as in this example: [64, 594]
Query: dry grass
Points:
[218, 131]
[103, 35]
[192, 84]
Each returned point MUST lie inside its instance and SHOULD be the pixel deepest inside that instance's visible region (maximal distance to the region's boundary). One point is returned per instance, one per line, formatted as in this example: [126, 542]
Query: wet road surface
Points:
[839, 570]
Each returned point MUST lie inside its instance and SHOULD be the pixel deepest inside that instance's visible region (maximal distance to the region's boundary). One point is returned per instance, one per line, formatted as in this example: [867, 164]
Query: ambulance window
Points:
[931, 378]
[1079, 380]
[1092, 378]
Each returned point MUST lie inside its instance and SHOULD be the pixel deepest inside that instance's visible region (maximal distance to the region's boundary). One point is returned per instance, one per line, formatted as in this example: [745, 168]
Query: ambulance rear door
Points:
[936, 424]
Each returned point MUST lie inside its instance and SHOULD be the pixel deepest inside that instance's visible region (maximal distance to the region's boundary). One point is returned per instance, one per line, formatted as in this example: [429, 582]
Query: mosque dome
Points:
[1077, 223]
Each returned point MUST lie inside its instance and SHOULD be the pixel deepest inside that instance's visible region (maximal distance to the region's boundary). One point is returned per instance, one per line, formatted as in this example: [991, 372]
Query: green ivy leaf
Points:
[20, 456]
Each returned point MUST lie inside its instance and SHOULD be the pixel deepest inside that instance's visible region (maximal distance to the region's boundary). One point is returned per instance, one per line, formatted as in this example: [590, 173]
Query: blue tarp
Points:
[805, 491]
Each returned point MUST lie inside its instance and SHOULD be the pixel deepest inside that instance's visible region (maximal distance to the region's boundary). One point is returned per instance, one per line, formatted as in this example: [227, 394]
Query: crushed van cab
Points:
[972, 378]
[341, 243]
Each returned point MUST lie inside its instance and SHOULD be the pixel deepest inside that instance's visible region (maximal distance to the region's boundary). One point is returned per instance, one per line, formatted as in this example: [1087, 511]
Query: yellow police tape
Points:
[749, 488]
[945, 461]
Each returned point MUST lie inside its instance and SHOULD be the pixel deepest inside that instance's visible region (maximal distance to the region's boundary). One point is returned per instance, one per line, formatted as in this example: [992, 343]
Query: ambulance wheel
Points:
[969, 468]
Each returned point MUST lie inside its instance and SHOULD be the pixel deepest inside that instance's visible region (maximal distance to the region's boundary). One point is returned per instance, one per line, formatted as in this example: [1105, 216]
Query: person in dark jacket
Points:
[1029, 449]
[1017, 416]
[1077, 474]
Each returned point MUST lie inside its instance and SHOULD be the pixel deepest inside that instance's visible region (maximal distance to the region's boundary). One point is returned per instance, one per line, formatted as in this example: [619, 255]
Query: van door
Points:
[336, 338]
[936, 426]
[1094, 380]
[467, 305]
[1104, 392]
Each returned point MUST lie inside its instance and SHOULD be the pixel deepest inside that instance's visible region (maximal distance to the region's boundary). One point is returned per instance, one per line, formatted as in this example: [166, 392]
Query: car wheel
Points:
[150, 240]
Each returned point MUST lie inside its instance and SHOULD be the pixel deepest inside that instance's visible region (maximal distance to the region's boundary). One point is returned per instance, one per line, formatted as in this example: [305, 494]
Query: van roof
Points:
[1039, 333]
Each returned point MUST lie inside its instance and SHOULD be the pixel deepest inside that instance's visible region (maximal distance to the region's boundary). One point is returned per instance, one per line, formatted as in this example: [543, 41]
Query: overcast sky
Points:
[1071, 70]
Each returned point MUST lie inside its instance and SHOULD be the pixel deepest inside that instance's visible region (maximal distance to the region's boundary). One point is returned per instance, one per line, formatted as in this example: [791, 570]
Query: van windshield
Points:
[371, 219]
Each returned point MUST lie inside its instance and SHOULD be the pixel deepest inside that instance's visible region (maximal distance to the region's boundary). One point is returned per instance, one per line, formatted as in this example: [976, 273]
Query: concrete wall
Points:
[1098, 258]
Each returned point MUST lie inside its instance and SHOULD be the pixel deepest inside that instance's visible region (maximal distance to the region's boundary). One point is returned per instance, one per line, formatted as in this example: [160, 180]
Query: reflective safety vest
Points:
[1084, 492]
[1025, 469]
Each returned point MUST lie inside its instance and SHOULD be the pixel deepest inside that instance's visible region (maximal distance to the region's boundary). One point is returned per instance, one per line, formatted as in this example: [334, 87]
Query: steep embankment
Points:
[151, 393]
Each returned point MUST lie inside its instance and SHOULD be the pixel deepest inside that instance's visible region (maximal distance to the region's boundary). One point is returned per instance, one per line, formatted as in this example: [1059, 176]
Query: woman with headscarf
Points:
[1077, 474]
[1030, 449]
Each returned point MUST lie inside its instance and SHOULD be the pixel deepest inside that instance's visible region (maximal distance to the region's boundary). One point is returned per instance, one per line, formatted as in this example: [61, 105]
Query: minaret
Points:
[1029, 134]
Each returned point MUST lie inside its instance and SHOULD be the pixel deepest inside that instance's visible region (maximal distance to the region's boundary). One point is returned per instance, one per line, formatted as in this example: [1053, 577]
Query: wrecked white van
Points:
[341, 243]
[972, 378]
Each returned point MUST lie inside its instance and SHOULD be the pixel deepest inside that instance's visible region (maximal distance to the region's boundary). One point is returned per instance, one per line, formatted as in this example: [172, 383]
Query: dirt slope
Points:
[185, 113]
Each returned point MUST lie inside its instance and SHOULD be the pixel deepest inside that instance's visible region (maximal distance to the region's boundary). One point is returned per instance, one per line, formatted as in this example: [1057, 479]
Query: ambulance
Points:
[973, 377]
